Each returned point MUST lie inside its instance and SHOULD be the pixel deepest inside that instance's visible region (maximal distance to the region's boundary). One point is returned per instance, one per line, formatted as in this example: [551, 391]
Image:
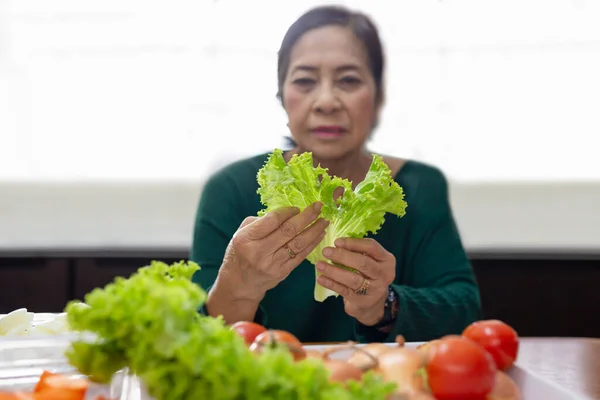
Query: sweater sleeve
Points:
[439, 294]
[218, 216]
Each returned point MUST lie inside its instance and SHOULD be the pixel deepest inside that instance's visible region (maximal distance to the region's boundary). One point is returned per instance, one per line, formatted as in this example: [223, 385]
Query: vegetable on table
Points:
[278, 338]
[452, 367]
[498, 338]
[342, 371]
[504, 388]
[460, 369]
[248, 330]
[356, 213]
[52, 386]
[20, 322]
[149, 323]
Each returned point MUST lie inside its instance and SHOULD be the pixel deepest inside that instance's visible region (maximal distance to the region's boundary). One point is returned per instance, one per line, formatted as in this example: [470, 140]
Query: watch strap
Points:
[390, 310]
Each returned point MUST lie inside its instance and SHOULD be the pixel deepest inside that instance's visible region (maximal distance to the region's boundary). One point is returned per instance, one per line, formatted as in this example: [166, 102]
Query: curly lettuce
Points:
[149, 324]
[356, 213]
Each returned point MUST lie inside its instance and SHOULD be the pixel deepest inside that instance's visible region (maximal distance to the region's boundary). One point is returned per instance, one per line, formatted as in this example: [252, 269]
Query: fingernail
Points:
[320, 267]
[318, 206]
[327, 252]
[339, 243]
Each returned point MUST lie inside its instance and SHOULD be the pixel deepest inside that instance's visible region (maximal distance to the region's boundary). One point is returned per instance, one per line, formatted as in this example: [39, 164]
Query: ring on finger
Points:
[289, 251]
[364, 287]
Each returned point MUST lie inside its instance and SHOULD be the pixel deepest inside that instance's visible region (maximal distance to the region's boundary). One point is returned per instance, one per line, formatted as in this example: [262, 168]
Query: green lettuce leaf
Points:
[149, 323]
[357, 213]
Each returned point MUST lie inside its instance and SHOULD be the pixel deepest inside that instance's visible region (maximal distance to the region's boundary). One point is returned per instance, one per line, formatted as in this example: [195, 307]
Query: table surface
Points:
[573, 363]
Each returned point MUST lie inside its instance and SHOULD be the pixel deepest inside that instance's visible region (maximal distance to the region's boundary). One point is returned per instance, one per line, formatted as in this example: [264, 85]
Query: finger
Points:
[291, 227]
[337, 287]
[247, 221]
[302, 240]
[363, 263]
[265, 225]
[366, 246]
[292, 263]
[347, 278]
[244, 228]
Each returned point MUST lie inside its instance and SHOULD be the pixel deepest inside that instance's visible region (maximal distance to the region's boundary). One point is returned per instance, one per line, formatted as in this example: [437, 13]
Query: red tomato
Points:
[273, 337]
[248, 330]
[16, 396]
[498, 338]
[460, 369]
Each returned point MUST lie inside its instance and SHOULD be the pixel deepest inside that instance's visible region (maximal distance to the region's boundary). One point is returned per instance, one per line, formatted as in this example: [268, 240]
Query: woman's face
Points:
[329, 93]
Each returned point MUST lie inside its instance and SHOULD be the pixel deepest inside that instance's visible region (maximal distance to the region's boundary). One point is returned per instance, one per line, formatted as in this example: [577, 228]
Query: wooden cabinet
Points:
[38, 284]
[544, 297]
[539, 297]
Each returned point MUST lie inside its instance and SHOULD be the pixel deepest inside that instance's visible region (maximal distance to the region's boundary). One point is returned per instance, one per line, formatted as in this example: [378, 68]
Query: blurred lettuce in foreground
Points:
[150, 324]
[358, 212]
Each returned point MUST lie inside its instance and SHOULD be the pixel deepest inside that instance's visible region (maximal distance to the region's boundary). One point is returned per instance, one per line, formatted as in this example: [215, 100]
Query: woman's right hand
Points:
[265, 250]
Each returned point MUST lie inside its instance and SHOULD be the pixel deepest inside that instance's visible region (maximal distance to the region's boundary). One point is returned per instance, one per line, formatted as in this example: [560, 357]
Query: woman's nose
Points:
[326, 101]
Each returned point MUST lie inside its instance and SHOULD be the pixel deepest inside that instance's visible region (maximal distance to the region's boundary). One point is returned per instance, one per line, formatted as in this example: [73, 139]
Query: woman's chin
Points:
[329, 150]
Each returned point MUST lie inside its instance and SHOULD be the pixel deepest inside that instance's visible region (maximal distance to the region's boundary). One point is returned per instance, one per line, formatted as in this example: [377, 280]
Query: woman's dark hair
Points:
[360, 24]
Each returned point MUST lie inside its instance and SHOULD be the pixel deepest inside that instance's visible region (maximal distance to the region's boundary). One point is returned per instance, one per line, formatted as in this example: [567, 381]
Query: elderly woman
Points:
[330, 72]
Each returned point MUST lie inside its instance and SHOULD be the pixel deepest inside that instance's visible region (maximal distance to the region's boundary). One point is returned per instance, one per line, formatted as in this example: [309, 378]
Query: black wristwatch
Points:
[390, 310]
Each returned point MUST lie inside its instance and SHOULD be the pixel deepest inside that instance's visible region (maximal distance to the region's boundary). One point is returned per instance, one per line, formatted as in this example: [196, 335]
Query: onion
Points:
[400, 341]
[365, 357]
[341, 371]
[410, 396]
[504, 388]
[314, 354]
[400, 366]
[297, 352]
[428, 347]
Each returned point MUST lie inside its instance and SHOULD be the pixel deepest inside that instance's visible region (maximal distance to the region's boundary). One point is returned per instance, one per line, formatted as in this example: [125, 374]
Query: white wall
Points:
[107, 106]
[497, 217]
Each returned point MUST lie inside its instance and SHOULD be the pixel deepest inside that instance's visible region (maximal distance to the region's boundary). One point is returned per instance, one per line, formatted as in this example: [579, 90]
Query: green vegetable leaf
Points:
[356, 213]
[149, 323]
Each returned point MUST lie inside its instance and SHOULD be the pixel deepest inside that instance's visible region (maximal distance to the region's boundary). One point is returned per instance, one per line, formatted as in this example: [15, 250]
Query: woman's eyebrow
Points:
[341, 68]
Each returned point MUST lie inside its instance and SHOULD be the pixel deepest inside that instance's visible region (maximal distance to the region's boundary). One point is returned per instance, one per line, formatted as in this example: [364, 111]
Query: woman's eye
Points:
[303, 81]
[350, 80]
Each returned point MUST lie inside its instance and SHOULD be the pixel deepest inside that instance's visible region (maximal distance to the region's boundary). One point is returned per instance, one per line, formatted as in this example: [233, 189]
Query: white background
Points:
[113, 113]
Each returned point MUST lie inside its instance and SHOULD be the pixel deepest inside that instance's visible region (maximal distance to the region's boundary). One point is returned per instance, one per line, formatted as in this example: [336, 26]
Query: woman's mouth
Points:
[329, 131]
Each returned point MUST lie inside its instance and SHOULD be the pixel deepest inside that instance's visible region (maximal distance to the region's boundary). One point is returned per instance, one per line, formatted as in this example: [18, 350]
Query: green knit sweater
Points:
[435, 284]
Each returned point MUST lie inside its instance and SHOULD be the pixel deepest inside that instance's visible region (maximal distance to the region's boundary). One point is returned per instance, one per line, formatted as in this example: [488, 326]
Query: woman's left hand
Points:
[376, 270]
